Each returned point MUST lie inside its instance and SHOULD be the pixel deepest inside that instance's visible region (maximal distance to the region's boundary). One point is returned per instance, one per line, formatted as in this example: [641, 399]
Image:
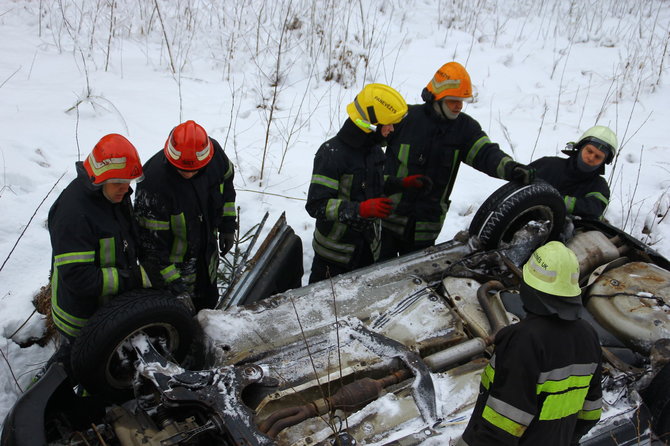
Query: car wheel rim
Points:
[120, 368]
[533, 213]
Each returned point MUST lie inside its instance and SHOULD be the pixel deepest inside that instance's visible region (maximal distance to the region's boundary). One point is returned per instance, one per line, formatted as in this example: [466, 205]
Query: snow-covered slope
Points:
[270, 80]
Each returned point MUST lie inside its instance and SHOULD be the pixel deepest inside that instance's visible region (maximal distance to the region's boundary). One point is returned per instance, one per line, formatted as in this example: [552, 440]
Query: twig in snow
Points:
[11, 371]
[9, 77]
[22, 325]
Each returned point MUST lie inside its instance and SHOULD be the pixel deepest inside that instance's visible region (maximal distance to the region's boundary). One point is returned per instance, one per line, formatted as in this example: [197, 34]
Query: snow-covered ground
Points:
[270, 81]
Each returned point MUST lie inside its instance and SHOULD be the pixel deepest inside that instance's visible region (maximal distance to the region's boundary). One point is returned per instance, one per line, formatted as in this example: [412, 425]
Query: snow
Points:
[543, 73]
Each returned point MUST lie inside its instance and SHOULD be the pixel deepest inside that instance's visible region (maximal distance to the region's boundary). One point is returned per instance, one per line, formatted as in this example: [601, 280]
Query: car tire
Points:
[513, 205]
[94, 359]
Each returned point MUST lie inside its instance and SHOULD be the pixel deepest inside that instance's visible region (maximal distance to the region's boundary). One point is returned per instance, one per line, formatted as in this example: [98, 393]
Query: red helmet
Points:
[188, 147]
[113, 160]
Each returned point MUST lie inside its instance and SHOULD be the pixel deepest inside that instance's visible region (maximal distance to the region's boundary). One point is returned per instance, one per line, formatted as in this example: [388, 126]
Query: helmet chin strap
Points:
[444, 111]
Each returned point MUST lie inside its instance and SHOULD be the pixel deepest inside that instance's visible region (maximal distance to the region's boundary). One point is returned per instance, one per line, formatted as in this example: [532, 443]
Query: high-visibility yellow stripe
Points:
[333, 208]
[107, 252]
[229, 209]
[598, 196]
[74, 257]
[178, 225]
[325, 181]
[503, 422]
[475, 148]
[488, 375]
[500, 170]
[170, 273]
[110, 281]
[561, 405]
[154, 225]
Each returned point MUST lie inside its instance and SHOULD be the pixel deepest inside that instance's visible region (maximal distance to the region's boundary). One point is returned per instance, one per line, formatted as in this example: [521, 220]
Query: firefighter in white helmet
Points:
[542, 384]
[579, 178]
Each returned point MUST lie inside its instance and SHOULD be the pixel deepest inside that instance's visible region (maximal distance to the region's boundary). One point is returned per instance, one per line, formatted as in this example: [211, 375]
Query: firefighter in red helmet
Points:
[185, 204]
[93, 238]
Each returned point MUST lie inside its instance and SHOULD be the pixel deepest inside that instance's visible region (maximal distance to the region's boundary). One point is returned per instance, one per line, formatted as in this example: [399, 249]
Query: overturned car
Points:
[387, 355]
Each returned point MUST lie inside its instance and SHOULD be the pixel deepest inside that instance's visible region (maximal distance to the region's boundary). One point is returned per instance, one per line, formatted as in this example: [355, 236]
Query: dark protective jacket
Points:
[179, 220]
[586, 194]
[541, 387]
[94, 252]
[425, 143]
[348, 169]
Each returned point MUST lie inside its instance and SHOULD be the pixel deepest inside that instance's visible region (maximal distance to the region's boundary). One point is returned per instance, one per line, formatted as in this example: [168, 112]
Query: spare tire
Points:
[99, 360]
[513, 205]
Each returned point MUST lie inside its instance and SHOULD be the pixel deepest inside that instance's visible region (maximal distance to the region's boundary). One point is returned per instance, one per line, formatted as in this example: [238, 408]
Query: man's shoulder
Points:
[74, 202]
[466, 123]
[155, 172]
[75, 194]
[548, 161]
[154, 162]
[331, 147]
[219, 153]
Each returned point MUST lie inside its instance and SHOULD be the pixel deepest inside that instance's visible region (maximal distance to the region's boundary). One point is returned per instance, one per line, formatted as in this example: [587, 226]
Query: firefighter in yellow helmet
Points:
[434, 139]
[579, 178]
[347, 191]
[542, 384]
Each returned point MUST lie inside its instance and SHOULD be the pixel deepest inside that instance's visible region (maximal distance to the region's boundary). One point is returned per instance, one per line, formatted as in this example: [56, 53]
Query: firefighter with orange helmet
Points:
[186, 203]
[434, 139]
[93, 235]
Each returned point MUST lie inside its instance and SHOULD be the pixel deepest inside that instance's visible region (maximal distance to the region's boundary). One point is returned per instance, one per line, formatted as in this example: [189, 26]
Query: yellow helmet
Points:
[551, 282]
[451, 81]
[377, 104]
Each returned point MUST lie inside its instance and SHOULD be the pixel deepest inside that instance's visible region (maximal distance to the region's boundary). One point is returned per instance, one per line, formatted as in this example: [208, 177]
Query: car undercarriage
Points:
[390, 354]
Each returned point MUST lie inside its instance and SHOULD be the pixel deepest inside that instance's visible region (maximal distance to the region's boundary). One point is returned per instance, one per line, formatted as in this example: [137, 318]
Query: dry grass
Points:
[42, 303]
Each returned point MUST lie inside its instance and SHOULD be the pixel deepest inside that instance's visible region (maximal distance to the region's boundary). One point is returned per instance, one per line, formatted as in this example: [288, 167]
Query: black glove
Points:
[177, 287]
[519, 173]
[131, 277]
[226, 242]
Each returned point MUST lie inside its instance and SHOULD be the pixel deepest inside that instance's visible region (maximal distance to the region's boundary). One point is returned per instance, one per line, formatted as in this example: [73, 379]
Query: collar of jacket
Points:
[355, 137]
[577, 173]
[430, 111]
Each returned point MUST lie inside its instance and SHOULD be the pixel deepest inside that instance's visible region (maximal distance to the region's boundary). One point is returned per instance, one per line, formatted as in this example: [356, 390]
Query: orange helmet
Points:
[188, 147]
[113, 160]
[451, 81]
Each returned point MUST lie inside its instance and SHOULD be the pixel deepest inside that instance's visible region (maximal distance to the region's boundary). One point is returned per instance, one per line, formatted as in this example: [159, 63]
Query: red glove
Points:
[417, 182]
[376, 207]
